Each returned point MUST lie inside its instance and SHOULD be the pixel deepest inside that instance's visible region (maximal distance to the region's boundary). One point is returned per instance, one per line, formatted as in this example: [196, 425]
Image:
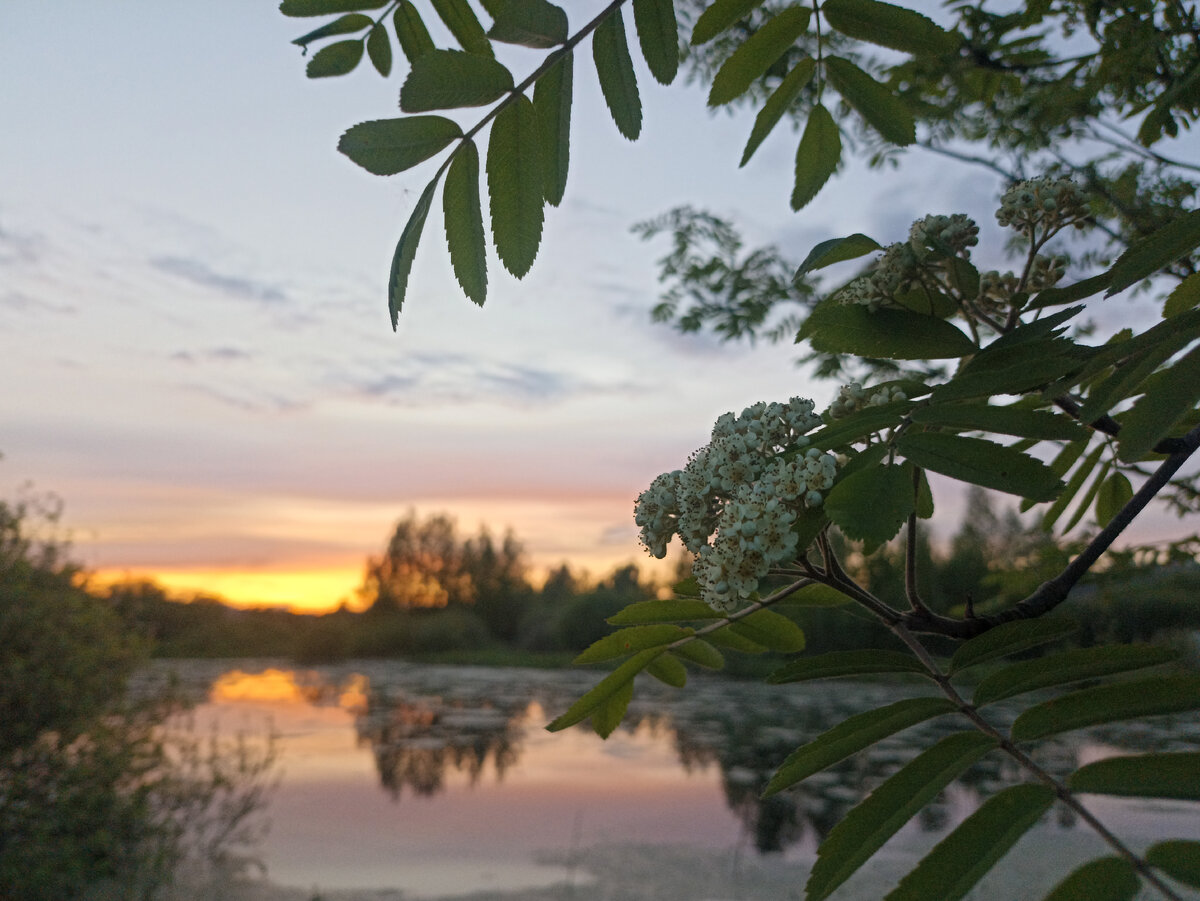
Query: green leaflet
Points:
[872, 505]
[1160, 408]
[757, 53]
[1178, 859]
[615, 70]
[663, 612]
[344, 25]
[1155, 251]
[1066, 667]
[965, 277]
[731, 640]
[924, 497]
[1104, 879]
[1052, 297]
[836, 250]
[552, 101]
[464, 222]
[777, 104]
[529, 23]
[411, 33]
[882, 110]
[866, 828]
[1019, 421]
[1127, 378]
[451, 79]
[631, 640]
[835, 327]
[606, 688]
[817, 157]
[658, 35]
[1109, 703]
[858, 425]
[1032, 332]
[719, 16]
[835, 664]
[406, 250]
[388, 146]
[888, 26]
[335, 59]
[379, 49]
[961, 859]
[609, 712]
[514, 172]
[463, 24]
[1085, 501]
[666, 668]
[1114, 494]
[1076, 481]
[1185, 296]
[1010, 638]
[772, 630]
[700, 651]
[980, 462]
[816, 596]
[810, 522]
[1016, 371]
[851, 736]
[326, 7]
[1144, 776]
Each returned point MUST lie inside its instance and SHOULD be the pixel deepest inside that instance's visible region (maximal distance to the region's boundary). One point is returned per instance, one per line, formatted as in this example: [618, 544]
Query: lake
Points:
[441, 780]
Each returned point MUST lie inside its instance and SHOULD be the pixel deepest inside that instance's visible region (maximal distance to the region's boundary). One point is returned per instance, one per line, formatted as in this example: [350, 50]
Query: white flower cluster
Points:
[853, 397]
[899, 268]
[1052, 203]
[743, 490]
[934, 235]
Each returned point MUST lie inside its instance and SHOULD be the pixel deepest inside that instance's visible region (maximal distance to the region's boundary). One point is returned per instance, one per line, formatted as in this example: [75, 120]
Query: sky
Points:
[194, 339]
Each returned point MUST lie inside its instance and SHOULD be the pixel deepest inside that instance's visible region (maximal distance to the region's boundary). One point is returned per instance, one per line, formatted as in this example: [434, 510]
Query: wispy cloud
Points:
[19, 247]
[235, 286]
[212, 354]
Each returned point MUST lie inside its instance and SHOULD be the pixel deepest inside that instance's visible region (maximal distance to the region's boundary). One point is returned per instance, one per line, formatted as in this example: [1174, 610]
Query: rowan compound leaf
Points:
[1177, 858]
[515, 175]
[379, 49]
[388, 146]
[335, 59]
[1010, 638]
[658, 35]
[552, 101]
[610, 685]
[1013, 420]
[1156, 412]
[326, 7]
[882, 110]
[733, 639]
[669, 611]
[1152, 253]
[1055, 296]
[462, 22]
[889, 26]
[772, 630]
[701, 652]
[757, 53]
[872, 505]
[836, 250]
[835, 664]
[858, 425]
[528, 23]
[1104, 879]
[778, 104]
[719, 16]
[1184, 297]
[411, 32]
[1108, 704]
[1114, 494]
[406, 250]
[464, 223]
[817, 157]
[835, 327]
[609, 712]
[614, 67]
[1171, 775]
[667, 669]
[343, 25]
[451, 79]
[1066, 667]
[980, 462]
[631, 640]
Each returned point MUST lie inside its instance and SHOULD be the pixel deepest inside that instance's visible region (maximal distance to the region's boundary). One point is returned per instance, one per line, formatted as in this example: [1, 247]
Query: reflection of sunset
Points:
[274, 686]
[300, 590]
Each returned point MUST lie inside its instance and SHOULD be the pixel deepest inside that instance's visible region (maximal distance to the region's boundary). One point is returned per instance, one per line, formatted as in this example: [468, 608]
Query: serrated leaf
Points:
[872, 505]
[1019, 421]
[609, 713]
[464, 223]
[452, 79]
[817, 157]
[964, 276]
[888, 26]
[731, 640]
[924, 497]
[961, 859]
[882, 110]
[1052, 297]
[667, 669]
[1066, 667]
[1034, 366]
[528, 23]
[980, 462]
[335, 59]
[669, 611]
[1153, 252]
[658, 35]
[1085, 501]
[514, 171]
[614, 67]
[1114, 494]
[701, 652]
[379, 49]
[411, 32]
[1107, 704]
[816, 596]
[772, 630]
[1184, 297]
[552, 100]
[1105, 879]
[757, 54]
[719, 16]
[1072, 487]
[858, 425]
[1177, 858]
[777, 104]
[304, 8]
[836, 250]
[835, 664]
[834, 327]
[852, 735]
[344, 25]
[1155, 414]
[1010, 638]
[406, 250]
[631, 640]
[1174, 776]
[866, 828]
[388, 146]
[458, 16]
[603, 690]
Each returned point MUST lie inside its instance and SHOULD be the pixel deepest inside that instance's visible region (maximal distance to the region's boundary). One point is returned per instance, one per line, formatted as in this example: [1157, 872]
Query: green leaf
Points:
[411, 31]
[701, 652]
[529, 23]
[1125, 380]
[388, 146]
[836, 250]
[379, 49]
[777, 104]
[1066, 667]
[671, 611]
[343, 25]
[406, 250]
[872, 505]
[751, 60]
[772, 630]
[817, 157]
[615, 70]
[631, 640]
[866, 828]
[609, 712]
[924, 498]
[1052, 297]
[464, 25]
[1085, 501]
[961, 859]
[1185, 296]
[514, 171]
[816, 596]
[1105, 879]
[835, 327]
[1016, 371]
[731, 640]
[1109, 703]
[858, 425]
[835, 664]
[980, 462]
[1019, 421]
[1114, 494]
[666, 668]
[882, 110]
[464, 222]
[552, 101]
[1010, 638]
[658, 34]
[335, 59]
[1073, 485]
[1174, 776]
[451, 79]
[852, 735]
[719, 16]
[1153, 252]
[606, 688]
[888, 26]
[963, 276]
[1157, 411]
[1178, 859]
[326, 7]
